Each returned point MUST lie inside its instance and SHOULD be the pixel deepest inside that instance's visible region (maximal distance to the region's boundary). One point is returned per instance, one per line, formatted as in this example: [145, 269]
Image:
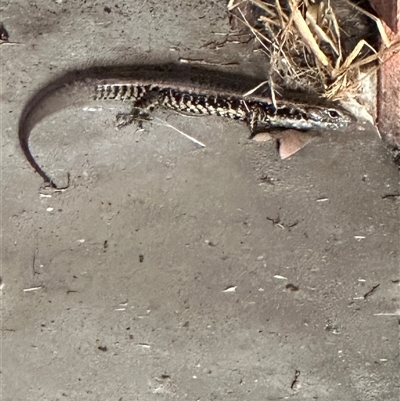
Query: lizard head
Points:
[310, 117]
[328, 117]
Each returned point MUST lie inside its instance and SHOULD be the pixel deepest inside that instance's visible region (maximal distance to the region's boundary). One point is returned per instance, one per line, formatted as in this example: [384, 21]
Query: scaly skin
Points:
[260, 113]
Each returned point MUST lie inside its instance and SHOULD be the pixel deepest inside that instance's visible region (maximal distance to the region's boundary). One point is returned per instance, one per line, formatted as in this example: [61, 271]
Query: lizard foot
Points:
[136, 115]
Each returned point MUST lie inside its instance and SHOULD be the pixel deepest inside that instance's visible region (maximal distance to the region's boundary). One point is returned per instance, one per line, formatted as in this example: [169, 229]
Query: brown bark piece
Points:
[290, 141]
[388, 11]
[388, 102]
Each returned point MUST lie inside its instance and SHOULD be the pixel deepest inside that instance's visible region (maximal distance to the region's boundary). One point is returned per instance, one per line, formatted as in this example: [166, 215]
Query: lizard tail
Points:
[59, 94]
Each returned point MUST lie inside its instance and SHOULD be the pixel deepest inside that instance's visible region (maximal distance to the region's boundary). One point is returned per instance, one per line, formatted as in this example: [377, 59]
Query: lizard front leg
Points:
[257, 121]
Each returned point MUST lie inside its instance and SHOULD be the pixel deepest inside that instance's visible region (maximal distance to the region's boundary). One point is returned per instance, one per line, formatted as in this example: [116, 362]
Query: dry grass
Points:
[304, 42]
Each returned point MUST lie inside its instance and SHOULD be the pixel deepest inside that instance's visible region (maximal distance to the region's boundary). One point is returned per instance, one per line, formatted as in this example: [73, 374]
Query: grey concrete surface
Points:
[169, 271]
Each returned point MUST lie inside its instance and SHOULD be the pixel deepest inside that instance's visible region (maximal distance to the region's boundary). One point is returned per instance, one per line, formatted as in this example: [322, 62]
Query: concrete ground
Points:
[169, 271]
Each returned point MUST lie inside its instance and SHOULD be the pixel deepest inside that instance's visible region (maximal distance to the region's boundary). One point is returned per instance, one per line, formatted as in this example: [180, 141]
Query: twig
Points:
[182, 133]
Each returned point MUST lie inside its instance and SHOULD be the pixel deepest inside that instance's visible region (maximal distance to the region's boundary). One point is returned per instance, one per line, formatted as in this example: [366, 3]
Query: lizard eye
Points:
[333, 113]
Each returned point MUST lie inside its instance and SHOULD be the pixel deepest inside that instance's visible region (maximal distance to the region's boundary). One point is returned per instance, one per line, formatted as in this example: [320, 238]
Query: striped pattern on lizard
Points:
[260, 113]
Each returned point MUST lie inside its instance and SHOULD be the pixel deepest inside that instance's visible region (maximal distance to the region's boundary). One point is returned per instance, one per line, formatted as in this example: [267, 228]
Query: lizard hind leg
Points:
[137, 115]
[145, 102]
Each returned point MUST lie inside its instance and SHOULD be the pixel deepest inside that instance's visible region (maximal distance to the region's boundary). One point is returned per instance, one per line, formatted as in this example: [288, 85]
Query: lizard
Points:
[259, 112]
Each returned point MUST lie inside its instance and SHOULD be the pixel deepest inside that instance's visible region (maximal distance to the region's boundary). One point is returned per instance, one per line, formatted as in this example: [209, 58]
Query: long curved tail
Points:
[66, 91]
